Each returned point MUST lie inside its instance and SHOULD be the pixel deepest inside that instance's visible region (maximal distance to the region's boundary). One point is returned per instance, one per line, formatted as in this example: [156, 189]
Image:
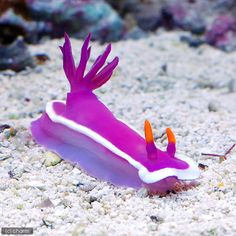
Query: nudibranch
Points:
[83, 130]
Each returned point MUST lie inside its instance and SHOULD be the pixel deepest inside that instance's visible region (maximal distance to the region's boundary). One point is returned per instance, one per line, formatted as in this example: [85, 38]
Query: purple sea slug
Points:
[82, 130]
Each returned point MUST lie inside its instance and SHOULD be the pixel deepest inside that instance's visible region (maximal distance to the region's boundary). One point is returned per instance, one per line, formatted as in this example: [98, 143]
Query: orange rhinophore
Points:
[150, 145]
[148, 132]
[170, 136]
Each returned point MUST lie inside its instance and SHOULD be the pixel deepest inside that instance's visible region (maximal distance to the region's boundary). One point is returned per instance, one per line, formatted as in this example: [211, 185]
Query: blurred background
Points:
[24, 22]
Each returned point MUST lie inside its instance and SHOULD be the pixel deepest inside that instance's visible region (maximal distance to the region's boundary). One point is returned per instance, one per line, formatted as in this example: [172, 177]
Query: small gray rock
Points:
[213, 106]
[46, 203]
[232, 85]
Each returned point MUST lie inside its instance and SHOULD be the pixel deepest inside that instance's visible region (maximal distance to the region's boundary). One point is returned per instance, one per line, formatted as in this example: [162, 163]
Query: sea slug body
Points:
[82, 130]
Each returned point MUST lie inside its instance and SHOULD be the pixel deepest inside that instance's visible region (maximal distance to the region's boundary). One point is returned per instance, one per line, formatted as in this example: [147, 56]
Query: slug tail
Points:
[99, 73]
[170, 185]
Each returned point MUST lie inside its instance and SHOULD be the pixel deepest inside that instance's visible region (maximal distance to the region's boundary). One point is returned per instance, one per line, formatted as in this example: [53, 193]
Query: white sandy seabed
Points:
[158, 78]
